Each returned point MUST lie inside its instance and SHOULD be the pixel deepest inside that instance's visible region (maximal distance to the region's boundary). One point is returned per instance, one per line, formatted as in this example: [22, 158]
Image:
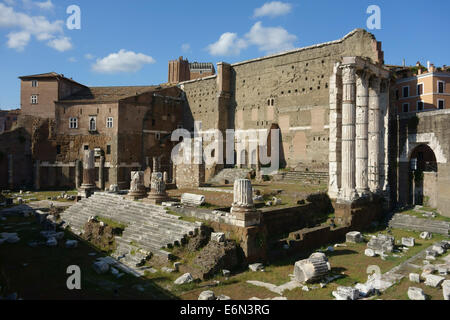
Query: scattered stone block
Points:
[370, 253]
[71, 244]
[442, 269]
[52, 242]
[439, 248]
[434, 281]
[346, 293]
[382, 243]
[365, 290]
[223, 297]
[256, 267]
[414, 277]
[167, 270]
[408, 242]
[416, 294]
[193, 200]
[426, 235]
[176, 266]
[319, 255]
[309, 270]
[218, 237]
[226, 273]
[207, 296]
[354, 237]
[446, 289]
[185, 278]
[101, 267]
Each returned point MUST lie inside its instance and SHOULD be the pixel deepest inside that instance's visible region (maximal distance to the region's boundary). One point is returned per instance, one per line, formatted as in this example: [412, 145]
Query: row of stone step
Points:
[408, 222]
[148, 227]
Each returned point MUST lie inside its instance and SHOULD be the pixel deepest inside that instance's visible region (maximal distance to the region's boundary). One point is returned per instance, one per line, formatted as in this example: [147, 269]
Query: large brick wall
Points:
[297, 84]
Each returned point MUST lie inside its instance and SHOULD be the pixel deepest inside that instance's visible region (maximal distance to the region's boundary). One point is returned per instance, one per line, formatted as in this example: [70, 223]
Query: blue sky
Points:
[130, 42]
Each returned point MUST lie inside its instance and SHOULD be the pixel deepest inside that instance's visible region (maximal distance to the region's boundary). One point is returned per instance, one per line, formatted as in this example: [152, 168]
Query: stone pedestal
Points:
[158, 193]
[137, 186]
[88, 187]
[243, 208]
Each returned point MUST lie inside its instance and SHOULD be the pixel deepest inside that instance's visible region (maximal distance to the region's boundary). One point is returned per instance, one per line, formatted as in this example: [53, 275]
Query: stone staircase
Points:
[315, 178]
[149, 229]
[229, 174]
[408, 222]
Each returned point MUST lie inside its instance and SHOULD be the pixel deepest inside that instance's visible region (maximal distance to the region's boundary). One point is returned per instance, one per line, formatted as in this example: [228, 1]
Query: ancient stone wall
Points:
[290, 89]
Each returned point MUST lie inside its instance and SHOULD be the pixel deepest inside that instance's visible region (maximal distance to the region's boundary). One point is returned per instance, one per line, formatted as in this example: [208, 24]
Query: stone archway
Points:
[422, 165]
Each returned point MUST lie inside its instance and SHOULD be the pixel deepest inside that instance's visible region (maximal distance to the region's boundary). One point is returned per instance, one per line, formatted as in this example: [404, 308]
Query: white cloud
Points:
[9, 2]
[122, 61]
[270, 39]
[38, 26]
[72, 59]
[267, 39]
[61, 44]
[47, 5]
[89, 56]
[18, 40]
[228, 44]
[186, 47]
[273, 9]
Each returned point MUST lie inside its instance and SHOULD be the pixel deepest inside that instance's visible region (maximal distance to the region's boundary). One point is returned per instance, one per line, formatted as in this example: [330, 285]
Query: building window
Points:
[420, 89]
[108, 149]
[441, 86]
[73, 123]
[34, 99]
[441, 104]
[109, 122]
[92, 123]
[405, 92]
[86, 147]
[406, 107]
[58, 149]
[34, 83]
[158, 136]
[419, 105]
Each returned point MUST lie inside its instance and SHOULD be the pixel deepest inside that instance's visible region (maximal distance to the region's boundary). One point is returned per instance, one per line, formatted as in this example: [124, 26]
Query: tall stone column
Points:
[11, 171]
[362, 126]
[243, 208]
[88, 186]
[37, 175]
[374, 134]
[335, 132]
[77, 174]
[348, 191]
[384, 156]
[101, 176]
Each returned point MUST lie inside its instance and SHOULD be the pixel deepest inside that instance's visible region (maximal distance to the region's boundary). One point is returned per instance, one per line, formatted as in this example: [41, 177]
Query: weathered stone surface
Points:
[414, 277]
[365, 290]
[382, 243]
[192, 200]
[408, 242]
[223, 297]
[434, 281]
[217, 256]
[256, 267]
[319, 255]
[346, 293]
[310, 270]
[446, 289]
[207, 296]
[218, 237]
[354, 237]
[114, 188]
[416, 294]
[426, 235]
[439, 248]
[370, 253]
[185, 278]
[226, 273]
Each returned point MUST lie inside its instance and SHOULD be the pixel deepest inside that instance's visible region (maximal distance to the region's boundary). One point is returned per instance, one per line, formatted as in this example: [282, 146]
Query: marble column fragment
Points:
[374, 134]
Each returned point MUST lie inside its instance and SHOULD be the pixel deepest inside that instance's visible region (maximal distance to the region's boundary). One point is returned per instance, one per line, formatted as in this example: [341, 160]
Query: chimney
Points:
[428, 65]
[432, 68]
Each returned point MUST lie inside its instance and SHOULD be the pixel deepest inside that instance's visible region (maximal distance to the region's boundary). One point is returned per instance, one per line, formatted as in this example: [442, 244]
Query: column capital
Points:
[348, 73]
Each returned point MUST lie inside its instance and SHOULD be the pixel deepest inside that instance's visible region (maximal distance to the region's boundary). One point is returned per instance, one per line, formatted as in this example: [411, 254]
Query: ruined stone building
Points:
[341, 111]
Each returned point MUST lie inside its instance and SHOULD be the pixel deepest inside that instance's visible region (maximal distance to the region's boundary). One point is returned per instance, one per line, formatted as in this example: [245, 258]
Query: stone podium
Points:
[243, 208]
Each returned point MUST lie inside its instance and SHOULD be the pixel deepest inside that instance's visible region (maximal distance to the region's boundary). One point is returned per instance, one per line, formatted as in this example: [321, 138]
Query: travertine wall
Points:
[290, 89]
[431, 129]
